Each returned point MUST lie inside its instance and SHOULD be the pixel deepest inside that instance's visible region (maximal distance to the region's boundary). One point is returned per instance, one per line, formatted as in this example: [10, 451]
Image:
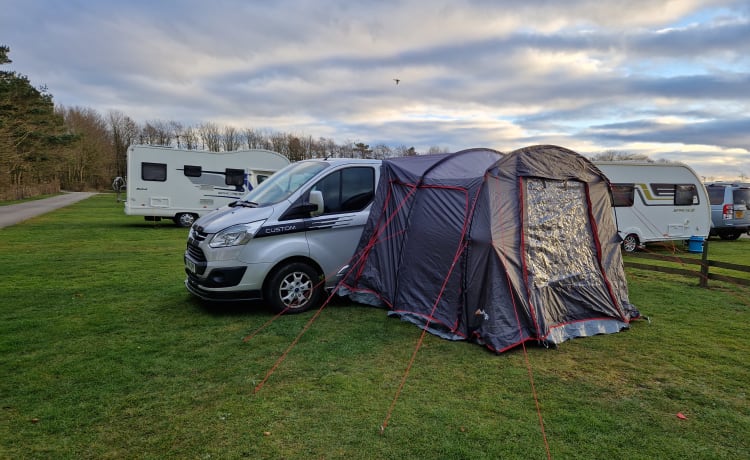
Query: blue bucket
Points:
[695, 244]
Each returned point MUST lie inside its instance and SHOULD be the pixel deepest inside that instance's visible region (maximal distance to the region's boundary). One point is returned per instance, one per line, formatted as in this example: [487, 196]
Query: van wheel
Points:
[184, 219]
[730, 235]
[293, 288]
[630, 243]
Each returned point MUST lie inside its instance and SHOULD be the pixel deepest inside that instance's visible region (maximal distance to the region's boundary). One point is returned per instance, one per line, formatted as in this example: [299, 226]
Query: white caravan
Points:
[657, 202]
[182, 185]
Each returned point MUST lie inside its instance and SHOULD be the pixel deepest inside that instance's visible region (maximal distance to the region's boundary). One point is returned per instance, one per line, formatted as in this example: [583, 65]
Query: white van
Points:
[285, 240]
[657, 202]
[182, 185]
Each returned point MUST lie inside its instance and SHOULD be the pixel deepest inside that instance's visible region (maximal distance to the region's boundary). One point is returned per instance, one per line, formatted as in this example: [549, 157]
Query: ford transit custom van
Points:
[284, 241]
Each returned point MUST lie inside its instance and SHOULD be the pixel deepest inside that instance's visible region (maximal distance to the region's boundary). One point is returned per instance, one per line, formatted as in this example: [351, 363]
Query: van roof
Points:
[727, 184]
[342, 161]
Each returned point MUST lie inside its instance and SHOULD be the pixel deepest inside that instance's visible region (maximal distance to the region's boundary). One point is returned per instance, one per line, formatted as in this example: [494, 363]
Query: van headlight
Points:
[235, 235]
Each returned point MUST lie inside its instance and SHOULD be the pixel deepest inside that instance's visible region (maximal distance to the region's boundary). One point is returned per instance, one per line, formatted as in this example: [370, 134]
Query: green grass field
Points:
[104, 354]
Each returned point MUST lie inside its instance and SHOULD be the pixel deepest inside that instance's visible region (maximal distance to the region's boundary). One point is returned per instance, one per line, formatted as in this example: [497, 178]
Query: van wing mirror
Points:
[316, 199]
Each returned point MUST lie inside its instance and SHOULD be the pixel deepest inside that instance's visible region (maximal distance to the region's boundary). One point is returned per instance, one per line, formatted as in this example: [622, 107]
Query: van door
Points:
[333, 235]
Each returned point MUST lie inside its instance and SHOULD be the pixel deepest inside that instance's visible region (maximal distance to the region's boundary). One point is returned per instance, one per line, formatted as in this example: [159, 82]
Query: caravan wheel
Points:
[184, 219]
[293, 288]
[630, 243]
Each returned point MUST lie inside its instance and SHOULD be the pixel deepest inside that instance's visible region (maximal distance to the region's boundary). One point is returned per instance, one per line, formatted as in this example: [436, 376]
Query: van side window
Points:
[234, 177]
[623, 195]
[347, 190]
[741, 196]
[192, 171]
[685, 195]
[154, 171]
[715, 194]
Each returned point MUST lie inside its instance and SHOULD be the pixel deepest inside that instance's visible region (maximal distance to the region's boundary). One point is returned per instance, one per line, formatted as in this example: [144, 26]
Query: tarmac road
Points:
[15, 213]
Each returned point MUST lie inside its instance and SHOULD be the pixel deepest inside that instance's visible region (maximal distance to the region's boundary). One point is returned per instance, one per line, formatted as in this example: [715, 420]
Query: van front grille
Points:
[195, 252]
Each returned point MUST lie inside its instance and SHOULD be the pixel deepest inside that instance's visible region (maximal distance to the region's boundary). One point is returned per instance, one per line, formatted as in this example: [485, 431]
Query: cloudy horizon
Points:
[667, 79]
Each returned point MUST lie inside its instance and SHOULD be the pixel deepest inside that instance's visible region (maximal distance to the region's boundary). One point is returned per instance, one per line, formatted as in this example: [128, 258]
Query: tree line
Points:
[45, 148]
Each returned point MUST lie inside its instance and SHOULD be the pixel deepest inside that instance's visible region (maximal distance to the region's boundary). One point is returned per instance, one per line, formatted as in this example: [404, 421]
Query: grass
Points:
[103, 354]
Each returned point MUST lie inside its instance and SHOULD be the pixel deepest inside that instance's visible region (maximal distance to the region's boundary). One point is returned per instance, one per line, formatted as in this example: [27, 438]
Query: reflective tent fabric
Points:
[497, 249]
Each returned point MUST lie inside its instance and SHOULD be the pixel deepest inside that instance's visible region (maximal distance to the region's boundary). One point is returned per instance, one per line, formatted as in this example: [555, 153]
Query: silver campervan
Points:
[285, 240]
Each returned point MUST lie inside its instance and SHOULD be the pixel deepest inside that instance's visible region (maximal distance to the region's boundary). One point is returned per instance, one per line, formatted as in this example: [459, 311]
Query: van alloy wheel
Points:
[293, 288]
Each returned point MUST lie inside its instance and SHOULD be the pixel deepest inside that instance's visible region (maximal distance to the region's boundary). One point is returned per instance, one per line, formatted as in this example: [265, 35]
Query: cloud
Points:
[657, 77]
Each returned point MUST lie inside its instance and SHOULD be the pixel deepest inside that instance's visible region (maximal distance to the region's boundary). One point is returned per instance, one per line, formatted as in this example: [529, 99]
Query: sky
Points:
[668, 79]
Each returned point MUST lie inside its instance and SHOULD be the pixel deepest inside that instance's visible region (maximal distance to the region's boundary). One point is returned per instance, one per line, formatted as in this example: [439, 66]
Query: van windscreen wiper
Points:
[243, 203]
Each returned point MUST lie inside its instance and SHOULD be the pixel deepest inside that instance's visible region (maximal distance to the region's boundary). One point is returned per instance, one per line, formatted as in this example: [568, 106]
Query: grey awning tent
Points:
[499, 249]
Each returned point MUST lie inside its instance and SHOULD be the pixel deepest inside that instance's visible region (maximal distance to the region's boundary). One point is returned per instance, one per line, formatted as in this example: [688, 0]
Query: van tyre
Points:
[730, 235]
[184, 219]
[293, 288]
[630, 243]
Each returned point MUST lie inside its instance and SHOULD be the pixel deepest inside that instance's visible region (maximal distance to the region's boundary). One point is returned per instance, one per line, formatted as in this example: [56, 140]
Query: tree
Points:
[231, 139]
[295, 148]
[210, 136]
[190, 138]
[31, 136]
[616, 155]
[124, 132]
[87, 162]
[362, 150]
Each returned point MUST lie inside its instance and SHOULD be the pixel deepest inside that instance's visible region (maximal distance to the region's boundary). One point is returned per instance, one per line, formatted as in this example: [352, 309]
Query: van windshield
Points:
[284, 183]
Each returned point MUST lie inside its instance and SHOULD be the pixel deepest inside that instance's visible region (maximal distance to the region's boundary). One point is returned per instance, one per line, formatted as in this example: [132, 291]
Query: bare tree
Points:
[210, 136]
[381, 152]
[617, 155]
[124, 133]
[177, 132]
[280, 144]
[88, 161]
[436, 149]
[190, 138]
[231, 139]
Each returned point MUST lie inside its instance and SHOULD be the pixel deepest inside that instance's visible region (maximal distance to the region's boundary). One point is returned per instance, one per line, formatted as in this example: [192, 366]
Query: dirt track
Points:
[15, 213]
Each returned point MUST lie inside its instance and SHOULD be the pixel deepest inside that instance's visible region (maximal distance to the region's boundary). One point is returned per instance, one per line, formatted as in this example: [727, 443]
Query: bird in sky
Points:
[396, 80]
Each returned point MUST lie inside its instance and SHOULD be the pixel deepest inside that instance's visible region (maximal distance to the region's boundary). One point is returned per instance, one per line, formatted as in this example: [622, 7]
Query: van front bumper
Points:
[196, 287]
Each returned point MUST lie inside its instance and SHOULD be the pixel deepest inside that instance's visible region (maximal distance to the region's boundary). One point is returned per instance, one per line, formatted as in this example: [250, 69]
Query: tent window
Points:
[234, 177]
[347, 190]
[556, 212]
[192, 171]
[685, 195]
[154, 172]
[623, 195]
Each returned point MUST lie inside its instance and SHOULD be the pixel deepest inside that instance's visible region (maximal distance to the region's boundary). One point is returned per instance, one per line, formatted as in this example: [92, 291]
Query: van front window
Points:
[285, 182]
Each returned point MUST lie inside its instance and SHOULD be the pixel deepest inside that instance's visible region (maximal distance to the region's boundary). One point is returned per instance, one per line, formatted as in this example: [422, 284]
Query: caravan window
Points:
[192, 171]
[685, 195]
[234, 177]
[154, 171]
[623, 195]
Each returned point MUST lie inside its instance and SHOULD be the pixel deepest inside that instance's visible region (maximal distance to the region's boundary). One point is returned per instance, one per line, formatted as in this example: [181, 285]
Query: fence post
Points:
[704, 265]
